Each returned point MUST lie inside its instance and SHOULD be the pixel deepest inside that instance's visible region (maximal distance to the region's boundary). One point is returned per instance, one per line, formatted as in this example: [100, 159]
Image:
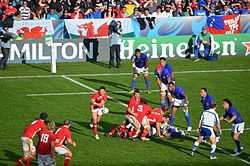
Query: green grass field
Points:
[19, 107]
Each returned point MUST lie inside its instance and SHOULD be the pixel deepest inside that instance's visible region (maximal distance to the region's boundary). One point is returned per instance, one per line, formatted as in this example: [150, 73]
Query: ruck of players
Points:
[141, 121]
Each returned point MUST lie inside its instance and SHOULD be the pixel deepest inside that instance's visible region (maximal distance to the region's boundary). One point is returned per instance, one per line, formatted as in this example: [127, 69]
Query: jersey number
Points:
[140, 108]
[44, 138]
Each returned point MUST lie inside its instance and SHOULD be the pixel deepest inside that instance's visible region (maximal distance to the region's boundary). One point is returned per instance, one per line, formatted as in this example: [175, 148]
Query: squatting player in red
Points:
[155, 119]
[63, 136]
[45, 146]
[30, 131]
[98, 108]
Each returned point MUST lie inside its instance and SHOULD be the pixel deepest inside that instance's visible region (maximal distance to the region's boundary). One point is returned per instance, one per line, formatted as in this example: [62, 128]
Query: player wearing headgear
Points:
[209, 123]
[164, 75]
[179, 99]
[98, 108]
[29, 150]
[140, 65]
[232, 116]
[45, 146]
[63, 136]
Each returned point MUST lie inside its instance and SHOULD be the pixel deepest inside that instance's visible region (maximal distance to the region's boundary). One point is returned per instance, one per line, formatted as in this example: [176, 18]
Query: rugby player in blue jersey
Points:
[206, 100]
[232, 116]
[179, 99]
[140, 65]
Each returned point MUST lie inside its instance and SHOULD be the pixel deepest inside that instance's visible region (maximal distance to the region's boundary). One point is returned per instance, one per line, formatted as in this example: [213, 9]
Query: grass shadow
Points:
[43, 68]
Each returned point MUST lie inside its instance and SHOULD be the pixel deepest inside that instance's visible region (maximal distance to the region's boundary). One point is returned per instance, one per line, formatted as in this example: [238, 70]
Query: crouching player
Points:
[209, 123]
[180, 100]
[155, 119]
[140, 65]
[237, 124]
[45, 147]
[30, 131]
[63, 136]
[164, 75]
[98, 108]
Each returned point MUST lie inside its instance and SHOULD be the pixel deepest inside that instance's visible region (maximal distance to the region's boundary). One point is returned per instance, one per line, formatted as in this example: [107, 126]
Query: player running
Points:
[98, 108]
[30, 131]
[209, 123]
[233, 116]
[164, 75]
[45, 147]
[179, 99]
[140, 65]
[206, 100]
[63, 136]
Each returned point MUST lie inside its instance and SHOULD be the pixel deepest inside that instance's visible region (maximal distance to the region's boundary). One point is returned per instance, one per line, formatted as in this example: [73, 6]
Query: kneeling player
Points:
[98, 109]
[45, 148]
[155, 119]
[179, 99]
[209, 121]
[64, 136]
[30, 131]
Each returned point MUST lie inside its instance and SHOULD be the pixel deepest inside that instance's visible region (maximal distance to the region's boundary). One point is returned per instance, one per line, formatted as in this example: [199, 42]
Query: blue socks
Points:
[187, 117]
[148, 84]
[133, 84]
[237, 142]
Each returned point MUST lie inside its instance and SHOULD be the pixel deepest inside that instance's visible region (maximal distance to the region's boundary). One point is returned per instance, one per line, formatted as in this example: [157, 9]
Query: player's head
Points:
[137, 93]
[213, 106]
[204, 29]
[67, 122]
[43, 116]
[171, 86]
[51, 126]
[203, 92]
[163, 61]
[137, 52]
[102, 90]
[226, 103]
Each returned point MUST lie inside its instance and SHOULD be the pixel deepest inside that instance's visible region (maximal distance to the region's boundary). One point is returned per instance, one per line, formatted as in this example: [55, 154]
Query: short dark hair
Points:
[43, 115]
[137, 50]
[172, 83]
[213, 105]
[102, 87]
[228, 102]
[205, 89]
[163, 58]
[67, 122]
[136, 90]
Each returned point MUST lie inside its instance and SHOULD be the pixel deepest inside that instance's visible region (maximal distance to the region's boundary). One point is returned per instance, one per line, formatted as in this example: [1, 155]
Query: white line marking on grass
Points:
[87, 87]
[77, 93]
[125, 105]
[228, 129]
[223, 150]
[124, 74]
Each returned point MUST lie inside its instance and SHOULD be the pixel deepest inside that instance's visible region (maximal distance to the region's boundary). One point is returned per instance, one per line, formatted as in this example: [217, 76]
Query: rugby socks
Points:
[66, 161]
[237, 142]
[187, 117]
[171, 120]
[133, 84]
[148, 84]
[94, 129]
[163, 104]
[213, 148]
[145, 133]
[195, 146]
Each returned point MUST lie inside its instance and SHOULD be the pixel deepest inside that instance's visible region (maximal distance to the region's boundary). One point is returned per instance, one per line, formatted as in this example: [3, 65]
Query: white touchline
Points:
[87, 87]
[119, 74]
[78, 93]
[223, 150]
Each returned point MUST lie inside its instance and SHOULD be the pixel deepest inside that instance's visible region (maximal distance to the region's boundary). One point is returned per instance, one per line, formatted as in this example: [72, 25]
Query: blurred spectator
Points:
[130, 6]
[52, 15]
[201, 10]
[169, 10]
[109, 13]
[25, 11]
[226, 10]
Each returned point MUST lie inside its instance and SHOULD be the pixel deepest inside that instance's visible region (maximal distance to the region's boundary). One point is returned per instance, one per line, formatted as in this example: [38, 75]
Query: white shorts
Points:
[238, 128]
[101, 111]
[28, 148]
[145, 122]
[138, 70]
[61, 150]
[163, 87]
[179, 103]
[45, 160]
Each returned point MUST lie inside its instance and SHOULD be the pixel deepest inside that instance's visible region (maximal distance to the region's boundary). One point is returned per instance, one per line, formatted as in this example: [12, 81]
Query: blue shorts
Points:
[207, 132]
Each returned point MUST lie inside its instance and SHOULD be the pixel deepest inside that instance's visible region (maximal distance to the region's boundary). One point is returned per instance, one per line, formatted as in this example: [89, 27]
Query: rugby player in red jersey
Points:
[155, 119]
[98, 108]
[63, 136]
[30, 131]
[45, 146]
